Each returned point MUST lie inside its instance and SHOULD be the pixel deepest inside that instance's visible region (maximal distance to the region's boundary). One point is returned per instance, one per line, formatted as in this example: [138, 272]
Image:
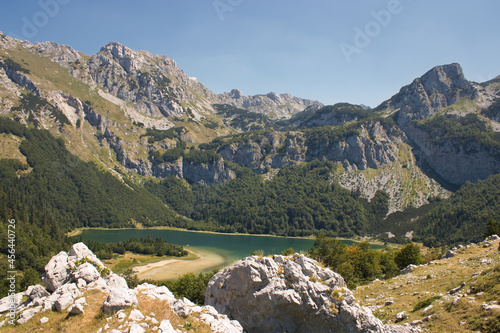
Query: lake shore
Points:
[171, 269]
[78, 231]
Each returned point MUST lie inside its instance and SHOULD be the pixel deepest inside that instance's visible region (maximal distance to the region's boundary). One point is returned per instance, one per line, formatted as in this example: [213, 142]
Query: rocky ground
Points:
[457, 293]
[460, 293]
[75, 297]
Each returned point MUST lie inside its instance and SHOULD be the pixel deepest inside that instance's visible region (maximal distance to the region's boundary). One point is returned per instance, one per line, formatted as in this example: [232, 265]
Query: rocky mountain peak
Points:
[438, 88]
[441, 78]
[236, 94]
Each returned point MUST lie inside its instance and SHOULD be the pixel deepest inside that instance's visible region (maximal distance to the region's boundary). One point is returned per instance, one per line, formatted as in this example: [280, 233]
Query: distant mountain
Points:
[272, 104]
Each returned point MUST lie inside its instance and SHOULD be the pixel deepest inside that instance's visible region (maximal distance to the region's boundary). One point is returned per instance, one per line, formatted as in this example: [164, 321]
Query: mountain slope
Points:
[441, 113]
[140, 117]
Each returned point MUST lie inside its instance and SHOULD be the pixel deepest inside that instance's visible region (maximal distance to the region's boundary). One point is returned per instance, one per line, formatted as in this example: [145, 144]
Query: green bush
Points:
[408, 255]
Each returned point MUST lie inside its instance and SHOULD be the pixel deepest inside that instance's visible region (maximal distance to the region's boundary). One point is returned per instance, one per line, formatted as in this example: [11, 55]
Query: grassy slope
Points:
[436, 280]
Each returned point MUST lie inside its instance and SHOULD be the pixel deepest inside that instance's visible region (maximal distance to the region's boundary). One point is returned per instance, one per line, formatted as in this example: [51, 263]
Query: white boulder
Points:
[292, 294]
[57, 272]
[119, 298]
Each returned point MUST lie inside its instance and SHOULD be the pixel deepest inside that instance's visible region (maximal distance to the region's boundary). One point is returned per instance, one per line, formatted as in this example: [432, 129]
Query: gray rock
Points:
[79, 251]
[57, 272]
[44, 320]
[86, 272]
[114, 281]
[401, 316]
[136, 328]
[166, 327]
[449, 254]
[76, 309]
[28, 314]
[100, 284]
[486, 261]
[408, 269]
[63, 297]
[81, 283]
[221, 323]
[136, 315]
[81, 300]
[455, 290]
[37, 291]
[154, 292]
[118, 299]
[5, 303]
[427, 308]
[181, 308]
[281, 105]
[289, 294]
[492, 307]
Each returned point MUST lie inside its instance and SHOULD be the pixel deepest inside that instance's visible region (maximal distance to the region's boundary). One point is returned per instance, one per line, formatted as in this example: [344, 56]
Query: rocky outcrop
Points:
[441, 87]
[454, 161]
[19, 78]
[155, 83]
[438, 88]
[272, 104]
[82, 266]
[371, 146]
[292, 294]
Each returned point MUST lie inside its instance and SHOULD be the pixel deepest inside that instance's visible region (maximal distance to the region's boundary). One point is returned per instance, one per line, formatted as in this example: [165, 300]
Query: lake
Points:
[215, 249]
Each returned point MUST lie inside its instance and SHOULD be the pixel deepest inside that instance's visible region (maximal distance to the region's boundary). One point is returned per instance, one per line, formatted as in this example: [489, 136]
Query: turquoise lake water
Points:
[231, 247]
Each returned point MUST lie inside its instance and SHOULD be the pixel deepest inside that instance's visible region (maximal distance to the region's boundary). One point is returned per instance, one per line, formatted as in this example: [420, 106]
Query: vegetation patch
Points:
[35, 105]
[467, 132]
[425, 303]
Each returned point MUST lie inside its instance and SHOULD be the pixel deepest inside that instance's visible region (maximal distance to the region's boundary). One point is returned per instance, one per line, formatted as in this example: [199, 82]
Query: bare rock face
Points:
[438, 88]
[292, 294]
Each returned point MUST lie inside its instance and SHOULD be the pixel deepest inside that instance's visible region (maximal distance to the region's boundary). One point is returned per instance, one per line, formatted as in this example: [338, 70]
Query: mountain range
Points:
[139, 117]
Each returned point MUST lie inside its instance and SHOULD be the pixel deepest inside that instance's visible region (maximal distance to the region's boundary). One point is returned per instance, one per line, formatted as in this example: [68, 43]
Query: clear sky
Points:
[360, 52]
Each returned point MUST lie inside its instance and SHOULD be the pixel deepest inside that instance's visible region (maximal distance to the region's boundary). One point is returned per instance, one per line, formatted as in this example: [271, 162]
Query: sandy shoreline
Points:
[171, 269]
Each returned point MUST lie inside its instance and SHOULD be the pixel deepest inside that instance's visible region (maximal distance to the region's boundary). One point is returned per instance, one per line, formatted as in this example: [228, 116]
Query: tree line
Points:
[56, 192]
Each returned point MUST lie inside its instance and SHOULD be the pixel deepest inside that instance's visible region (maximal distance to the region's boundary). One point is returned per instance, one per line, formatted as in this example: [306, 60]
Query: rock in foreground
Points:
[292, 294]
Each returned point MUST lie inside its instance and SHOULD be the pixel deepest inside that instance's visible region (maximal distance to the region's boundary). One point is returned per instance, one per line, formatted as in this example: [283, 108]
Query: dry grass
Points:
[93, 319]
[432, 282]
[90, 321]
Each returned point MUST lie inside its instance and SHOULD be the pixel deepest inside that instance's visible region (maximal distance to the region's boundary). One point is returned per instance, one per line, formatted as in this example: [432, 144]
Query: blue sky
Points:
[360, 52]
